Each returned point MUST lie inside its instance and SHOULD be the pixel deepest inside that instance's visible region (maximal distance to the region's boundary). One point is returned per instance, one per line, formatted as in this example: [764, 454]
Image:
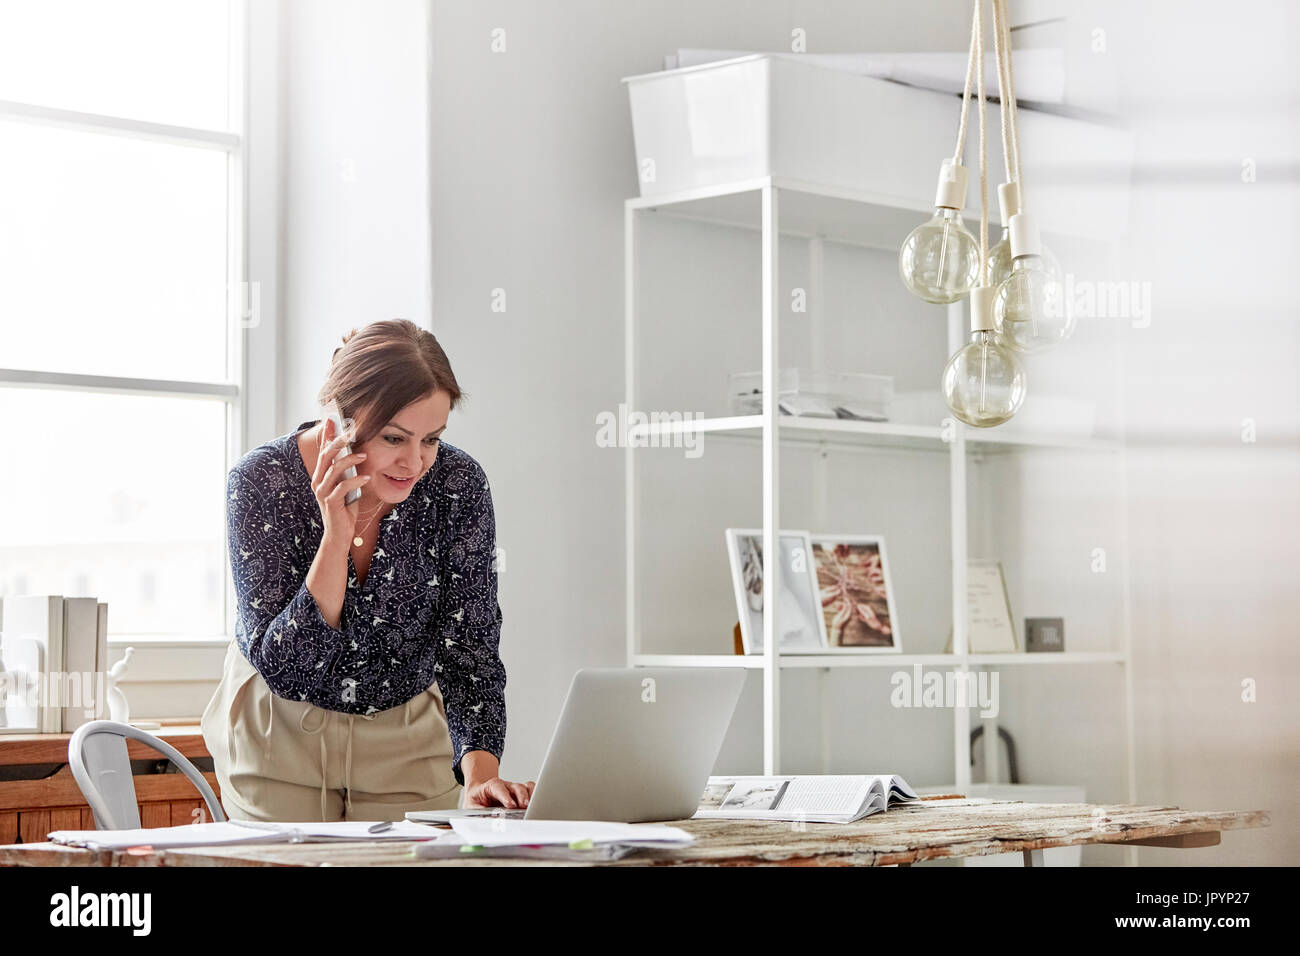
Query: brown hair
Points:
[382, 368]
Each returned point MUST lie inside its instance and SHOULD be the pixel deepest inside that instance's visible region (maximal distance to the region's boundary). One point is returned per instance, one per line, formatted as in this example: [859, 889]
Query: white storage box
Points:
[815, 394]
[766, 115]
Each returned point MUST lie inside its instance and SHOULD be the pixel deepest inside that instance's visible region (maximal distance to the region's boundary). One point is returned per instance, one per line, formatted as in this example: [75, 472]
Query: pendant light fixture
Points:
[984, 382]
[1000, 254]
[939, 260]
[1030, 309]
[1009, 191]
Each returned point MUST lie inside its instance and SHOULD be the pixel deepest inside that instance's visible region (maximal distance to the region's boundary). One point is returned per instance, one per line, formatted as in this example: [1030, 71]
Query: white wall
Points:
[1214, 517]
[355, 186]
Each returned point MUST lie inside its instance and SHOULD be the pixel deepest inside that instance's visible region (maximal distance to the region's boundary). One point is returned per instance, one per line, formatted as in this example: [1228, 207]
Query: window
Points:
[122, 304]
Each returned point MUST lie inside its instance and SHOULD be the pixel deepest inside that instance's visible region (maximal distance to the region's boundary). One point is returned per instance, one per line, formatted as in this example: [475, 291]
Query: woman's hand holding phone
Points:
[331, 487]
[328, 575]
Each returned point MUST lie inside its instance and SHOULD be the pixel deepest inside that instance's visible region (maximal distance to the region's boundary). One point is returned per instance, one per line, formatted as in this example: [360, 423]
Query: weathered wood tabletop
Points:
[931, 829]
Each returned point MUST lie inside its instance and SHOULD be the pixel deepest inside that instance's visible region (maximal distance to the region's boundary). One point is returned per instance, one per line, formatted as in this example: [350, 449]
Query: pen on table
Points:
[381, 827]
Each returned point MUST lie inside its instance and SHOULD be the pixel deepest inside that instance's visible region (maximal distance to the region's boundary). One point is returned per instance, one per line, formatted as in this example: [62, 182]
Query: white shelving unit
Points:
[820, 214]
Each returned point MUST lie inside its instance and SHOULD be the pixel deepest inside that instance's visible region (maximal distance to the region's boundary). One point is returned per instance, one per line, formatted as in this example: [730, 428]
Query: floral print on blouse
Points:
[426, 612]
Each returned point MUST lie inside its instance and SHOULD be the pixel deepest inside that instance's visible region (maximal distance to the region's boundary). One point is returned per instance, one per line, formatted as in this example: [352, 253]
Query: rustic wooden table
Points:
[932, 829]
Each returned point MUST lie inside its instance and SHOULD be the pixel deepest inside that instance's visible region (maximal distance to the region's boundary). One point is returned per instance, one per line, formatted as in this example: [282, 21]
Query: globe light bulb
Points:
[984, 382]
[1030, 310]
[939, 260]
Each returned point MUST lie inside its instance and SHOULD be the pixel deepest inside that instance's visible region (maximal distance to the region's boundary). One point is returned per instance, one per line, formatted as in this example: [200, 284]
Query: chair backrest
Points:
[102, 769]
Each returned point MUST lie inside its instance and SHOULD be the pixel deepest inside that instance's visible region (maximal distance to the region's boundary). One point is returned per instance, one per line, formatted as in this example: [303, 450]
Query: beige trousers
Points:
[284, 760]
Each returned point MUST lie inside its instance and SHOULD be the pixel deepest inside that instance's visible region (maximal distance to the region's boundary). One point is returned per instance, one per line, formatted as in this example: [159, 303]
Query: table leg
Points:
[1033, 858]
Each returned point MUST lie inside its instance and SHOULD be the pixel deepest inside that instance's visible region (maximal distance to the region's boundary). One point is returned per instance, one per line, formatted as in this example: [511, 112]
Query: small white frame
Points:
[752, 637]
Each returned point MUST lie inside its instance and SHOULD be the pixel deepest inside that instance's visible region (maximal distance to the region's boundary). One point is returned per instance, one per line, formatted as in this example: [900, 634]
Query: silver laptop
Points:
[632, 745]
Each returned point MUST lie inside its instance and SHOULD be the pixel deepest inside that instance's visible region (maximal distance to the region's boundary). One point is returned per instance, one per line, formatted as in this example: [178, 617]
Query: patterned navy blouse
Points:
[427, 611]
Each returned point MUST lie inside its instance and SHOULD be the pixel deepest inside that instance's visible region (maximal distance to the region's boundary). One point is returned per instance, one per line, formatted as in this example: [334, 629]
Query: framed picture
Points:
[856, 594]
[799, 621]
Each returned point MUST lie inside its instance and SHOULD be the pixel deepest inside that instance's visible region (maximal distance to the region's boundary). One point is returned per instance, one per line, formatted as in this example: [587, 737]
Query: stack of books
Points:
[53, 663]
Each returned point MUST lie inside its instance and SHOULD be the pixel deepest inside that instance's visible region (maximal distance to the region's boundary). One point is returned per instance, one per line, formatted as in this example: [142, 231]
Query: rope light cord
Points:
[984, 177]
[1011, 89]
[1002, 92]
[1007, 95]
[965, 95]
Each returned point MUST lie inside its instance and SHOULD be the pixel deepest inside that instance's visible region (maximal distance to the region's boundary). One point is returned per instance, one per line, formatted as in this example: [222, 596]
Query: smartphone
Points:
[331, 411]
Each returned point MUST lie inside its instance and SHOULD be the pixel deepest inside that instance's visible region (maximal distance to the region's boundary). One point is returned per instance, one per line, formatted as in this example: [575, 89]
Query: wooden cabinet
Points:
[38, 793]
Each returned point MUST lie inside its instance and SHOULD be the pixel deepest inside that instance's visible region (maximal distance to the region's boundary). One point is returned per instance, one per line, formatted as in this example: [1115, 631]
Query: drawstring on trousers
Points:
[266, 739]
[302, 725]
[347, 770]
[324, 760]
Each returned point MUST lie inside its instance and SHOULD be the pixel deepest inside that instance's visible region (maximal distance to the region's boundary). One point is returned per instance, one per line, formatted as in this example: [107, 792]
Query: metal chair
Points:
[100, 765]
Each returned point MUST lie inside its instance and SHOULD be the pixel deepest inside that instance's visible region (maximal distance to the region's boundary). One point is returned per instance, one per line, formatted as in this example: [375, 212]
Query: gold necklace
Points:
[358, 540]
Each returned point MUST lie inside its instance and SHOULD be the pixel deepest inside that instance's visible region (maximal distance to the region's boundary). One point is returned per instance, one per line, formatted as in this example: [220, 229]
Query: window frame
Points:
[250, 385]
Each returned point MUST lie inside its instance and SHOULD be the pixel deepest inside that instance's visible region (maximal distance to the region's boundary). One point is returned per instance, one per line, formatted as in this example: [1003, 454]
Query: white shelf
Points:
[777, 207]
[859, 659]
[808, 209]
[994, 441]
[867, 434]
[816, 210]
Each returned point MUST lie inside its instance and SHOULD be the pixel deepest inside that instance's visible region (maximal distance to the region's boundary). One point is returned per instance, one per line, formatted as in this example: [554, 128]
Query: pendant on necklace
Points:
[357, 541]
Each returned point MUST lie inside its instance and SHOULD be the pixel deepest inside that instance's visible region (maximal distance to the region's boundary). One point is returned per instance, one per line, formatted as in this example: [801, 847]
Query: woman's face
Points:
[405, 447]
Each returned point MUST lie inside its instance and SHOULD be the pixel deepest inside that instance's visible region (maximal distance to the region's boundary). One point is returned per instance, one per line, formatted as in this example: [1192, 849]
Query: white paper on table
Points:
[355, 830]
[499, 832]
[189, 834]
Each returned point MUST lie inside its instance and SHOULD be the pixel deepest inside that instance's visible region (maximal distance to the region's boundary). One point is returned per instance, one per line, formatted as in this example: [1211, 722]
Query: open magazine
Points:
[820, 798]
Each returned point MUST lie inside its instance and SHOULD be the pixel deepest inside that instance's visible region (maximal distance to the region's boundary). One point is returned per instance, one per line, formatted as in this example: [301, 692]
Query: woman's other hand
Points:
[495, 792]
[330, 487]
[483, 788]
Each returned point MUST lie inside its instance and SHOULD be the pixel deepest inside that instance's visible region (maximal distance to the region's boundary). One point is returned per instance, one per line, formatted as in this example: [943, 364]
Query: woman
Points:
[356, 621]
